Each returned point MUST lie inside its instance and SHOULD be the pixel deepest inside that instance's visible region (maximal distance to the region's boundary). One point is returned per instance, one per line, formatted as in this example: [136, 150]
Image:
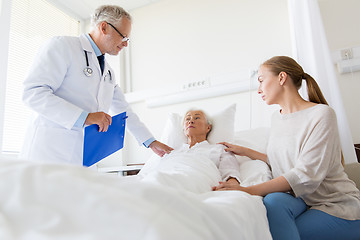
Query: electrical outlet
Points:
[346, 54]
[204, 83]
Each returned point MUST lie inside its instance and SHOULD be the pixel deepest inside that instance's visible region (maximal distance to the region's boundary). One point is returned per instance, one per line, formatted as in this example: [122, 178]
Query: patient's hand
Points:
[160, 148]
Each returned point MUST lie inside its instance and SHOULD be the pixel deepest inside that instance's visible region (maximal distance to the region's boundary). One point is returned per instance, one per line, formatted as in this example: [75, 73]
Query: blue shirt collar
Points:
[94, 46]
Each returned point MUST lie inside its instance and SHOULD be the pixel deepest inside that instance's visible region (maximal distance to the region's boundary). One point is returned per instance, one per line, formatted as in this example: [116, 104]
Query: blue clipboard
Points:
[98, 145]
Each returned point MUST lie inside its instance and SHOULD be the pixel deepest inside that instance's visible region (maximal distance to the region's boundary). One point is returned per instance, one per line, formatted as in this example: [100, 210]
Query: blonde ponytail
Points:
[314, 92]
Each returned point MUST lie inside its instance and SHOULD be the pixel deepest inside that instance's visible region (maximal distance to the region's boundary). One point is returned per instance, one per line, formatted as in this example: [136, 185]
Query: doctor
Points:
[70, 85]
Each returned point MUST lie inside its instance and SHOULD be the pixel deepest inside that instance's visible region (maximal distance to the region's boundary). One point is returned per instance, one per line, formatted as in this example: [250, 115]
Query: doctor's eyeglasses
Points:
[125, 39]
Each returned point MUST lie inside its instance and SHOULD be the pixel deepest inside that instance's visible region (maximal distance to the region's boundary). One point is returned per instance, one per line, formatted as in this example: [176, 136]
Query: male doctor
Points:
[70, 85]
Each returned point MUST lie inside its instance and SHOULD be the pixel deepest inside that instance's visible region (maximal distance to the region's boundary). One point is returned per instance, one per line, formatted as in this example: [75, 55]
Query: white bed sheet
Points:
[43, 201]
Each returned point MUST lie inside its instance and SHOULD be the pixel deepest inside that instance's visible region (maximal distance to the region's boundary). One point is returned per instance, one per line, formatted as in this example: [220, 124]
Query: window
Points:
[32, 22]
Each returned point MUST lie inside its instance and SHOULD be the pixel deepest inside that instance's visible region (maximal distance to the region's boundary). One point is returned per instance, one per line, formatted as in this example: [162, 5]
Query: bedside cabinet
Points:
[357, 151]
[128, 170]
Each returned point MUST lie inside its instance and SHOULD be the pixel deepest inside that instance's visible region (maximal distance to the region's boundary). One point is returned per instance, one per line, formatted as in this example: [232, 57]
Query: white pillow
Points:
[256, 138]
[253, 171]
[222, 128]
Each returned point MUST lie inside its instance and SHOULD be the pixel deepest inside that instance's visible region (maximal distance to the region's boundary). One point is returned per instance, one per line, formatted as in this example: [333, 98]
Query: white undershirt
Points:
[226, 162]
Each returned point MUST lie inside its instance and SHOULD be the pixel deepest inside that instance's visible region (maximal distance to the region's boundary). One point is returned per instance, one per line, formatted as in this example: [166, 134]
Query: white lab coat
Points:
[58, 91]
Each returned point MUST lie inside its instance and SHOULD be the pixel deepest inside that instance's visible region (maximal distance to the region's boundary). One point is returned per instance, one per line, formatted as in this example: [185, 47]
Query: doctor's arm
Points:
[45, 77]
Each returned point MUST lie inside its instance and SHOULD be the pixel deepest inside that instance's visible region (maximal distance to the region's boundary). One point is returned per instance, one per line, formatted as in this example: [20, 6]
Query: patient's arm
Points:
[229, 167]
[232, 180]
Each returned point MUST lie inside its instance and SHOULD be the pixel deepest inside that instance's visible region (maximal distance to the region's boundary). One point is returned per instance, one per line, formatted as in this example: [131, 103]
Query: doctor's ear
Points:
[103, 27]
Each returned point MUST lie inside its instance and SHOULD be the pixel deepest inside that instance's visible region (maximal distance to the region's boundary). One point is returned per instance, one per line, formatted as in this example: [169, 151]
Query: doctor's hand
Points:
[160, 148]
[102, 119]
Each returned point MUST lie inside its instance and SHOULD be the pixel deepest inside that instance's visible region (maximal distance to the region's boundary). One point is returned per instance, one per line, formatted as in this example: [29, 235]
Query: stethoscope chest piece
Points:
[88, 71]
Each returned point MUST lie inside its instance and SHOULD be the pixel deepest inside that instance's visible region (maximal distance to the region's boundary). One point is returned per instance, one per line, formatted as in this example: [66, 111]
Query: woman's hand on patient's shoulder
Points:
[244, 151]
[238, 150]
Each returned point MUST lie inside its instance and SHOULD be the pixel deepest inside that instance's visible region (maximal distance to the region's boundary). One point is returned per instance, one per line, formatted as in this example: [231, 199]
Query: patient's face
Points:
[196, 124]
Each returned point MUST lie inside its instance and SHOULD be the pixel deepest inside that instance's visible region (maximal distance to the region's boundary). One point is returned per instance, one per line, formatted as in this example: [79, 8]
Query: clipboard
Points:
[98, 145]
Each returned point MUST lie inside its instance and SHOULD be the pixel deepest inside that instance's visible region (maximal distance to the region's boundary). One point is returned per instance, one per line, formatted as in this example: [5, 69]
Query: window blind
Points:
[32, 23]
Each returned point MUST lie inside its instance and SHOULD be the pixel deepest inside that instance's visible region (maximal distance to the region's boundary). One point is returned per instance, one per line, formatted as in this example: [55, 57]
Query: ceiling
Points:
[84, 8]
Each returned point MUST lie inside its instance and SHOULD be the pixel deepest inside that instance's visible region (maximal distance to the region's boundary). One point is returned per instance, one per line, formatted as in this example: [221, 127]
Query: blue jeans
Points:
[290, 219]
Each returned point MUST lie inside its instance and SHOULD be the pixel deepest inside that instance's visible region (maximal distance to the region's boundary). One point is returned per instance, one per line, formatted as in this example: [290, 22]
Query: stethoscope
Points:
[88, 70]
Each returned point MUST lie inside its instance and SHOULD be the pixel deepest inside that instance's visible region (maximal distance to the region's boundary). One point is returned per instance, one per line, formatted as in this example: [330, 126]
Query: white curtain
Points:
[311, 50]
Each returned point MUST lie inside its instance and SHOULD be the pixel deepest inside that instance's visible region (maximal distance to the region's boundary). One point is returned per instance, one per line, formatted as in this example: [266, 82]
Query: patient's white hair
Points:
[192, 110]
[108, 13]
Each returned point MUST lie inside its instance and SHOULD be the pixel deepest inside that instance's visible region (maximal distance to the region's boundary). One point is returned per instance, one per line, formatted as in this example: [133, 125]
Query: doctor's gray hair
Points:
[108, 13]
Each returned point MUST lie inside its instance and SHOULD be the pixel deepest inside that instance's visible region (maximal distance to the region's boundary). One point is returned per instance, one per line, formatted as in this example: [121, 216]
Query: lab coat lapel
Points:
[101, 94]
[106, 90]
[86, 45]
[106, 67]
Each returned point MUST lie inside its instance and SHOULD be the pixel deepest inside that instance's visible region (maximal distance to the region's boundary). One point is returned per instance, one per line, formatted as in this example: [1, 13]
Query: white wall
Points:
[341, 21]
[176, 41]
[4, 42]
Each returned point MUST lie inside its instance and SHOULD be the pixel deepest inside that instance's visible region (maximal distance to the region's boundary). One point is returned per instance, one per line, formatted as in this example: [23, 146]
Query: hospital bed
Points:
[51, 201]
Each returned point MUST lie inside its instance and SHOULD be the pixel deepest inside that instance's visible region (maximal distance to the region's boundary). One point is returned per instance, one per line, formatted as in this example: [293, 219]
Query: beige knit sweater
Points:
[304, 147]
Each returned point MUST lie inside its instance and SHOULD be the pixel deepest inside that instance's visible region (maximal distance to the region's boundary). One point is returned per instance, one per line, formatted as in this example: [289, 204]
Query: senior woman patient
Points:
[197, 165]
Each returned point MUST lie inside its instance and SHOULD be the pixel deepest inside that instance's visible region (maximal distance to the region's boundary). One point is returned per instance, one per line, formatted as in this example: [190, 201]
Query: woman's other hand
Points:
[229, 185]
